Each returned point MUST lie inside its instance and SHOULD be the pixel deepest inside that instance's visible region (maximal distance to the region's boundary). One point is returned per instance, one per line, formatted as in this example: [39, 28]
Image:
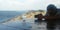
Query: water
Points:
[27, 24]
[4, 15]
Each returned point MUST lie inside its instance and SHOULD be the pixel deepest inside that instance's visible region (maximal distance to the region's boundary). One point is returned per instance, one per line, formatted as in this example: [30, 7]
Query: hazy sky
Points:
[18, 5]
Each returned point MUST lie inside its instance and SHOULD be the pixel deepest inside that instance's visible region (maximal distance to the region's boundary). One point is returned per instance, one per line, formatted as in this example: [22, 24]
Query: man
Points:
[50, 17]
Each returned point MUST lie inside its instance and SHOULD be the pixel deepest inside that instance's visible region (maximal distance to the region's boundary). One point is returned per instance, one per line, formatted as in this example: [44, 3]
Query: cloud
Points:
[45, 3]
[15, 4]
[18, 5]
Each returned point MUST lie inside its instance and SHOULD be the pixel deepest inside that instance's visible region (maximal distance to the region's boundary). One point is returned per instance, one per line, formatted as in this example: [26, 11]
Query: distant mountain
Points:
[10, 13]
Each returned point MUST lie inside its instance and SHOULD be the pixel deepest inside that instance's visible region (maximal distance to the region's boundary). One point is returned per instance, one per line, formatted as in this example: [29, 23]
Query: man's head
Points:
[51, 9]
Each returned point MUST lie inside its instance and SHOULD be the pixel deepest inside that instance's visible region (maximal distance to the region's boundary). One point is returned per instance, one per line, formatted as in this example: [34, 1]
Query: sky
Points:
[21, 5]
